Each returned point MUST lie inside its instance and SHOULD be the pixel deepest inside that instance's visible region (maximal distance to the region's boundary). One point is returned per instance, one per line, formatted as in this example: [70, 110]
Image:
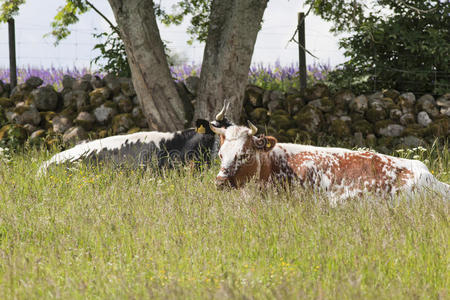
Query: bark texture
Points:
[233, 28]
[155, 88]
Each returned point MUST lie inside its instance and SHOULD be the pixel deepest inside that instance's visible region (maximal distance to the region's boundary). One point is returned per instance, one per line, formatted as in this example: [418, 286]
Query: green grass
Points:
[90, 233]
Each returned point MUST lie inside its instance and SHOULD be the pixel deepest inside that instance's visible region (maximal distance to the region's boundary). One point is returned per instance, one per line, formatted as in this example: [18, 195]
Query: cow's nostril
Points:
[221, 182]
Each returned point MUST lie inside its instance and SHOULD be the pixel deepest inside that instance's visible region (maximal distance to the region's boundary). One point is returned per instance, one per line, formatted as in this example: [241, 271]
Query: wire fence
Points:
[74, 56]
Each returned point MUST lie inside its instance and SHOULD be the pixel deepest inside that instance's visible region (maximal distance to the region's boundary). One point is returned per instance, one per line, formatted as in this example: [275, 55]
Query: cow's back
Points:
[346, 173]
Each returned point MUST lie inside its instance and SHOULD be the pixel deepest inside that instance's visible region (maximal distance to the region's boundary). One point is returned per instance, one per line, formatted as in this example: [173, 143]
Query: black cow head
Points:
[203, 126]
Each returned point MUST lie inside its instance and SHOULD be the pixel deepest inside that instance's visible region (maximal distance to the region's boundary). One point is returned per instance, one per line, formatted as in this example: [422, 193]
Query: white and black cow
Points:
[144, 149]
[340, 173]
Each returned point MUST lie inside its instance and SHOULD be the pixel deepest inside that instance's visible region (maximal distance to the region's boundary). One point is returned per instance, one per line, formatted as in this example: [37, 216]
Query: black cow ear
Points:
[202, 126]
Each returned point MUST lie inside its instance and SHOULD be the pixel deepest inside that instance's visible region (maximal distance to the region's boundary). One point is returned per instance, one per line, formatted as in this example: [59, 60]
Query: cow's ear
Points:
[202, 127]
[264, 143]
[270, 143]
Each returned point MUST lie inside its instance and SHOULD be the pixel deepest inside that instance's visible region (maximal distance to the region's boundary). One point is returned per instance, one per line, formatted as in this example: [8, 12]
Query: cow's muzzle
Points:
[224, 182]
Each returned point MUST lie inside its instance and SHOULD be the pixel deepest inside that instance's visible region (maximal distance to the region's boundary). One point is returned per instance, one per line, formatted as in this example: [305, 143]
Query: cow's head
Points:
[202, 126]
[240, 154]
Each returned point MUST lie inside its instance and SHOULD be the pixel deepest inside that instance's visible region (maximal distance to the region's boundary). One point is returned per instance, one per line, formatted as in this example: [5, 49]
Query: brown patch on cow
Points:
[222, 139]
[354, 170]
[248, 169]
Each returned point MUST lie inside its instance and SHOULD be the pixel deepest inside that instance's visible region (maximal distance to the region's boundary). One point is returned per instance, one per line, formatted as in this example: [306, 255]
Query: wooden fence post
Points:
[301, 50]
[12, 54]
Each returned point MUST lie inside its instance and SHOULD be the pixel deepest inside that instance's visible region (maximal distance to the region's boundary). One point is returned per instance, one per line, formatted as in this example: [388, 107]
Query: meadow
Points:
[90, 233]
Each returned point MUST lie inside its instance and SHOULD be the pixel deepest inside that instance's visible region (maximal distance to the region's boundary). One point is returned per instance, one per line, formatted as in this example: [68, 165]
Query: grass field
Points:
[89, 233]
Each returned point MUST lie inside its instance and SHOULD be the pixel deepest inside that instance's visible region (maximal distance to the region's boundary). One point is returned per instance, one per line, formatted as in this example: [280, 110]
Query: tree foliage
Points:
[403, 44]
[9, 8]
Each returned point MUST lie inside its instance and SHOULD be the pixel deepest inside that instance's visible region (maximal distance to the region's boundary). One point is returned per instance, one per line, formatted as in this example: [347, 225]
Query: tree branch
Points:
[292, 39]
[103, 16]
[420, 11]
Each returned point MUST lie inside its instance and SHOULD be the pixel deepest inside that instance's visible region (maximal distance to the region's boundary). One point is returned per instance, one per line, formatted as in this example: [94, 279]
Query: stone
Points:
[319, 90]
[439, 128]
[30, 128]
[113, 83]
[138, 117]
[444, 100]
[415, 130]
[411, 141]
[19, 93]
[46, 119]
[85, 120]
[254, 94]
[127, 87]
[122, 123]
[362, 126]
[406, 102]
[371, 140]
[74, 135]
[387, 129]
[6, 102]
[13, 132]
[391, 93]
[281, 120]
[33, 82]
[125, 105]
[82, 84]
[259, 115]
[445, 111]
[45, 98]
[375, 99]
[68, 82]
[26, 115]
[324, 104]
[395, 114]
[423, 119]
[97, 82]
[407, 118]
[133, 130]
[375, 114]
[359, 104]
[309, 119]
[329, 118]
[339, 128]
[61, 124]
[99, 96]
[38, 134]
[345, 119]
[428, 104]
[359, 139]
[343, 98]
[104, 113]
[293, 103]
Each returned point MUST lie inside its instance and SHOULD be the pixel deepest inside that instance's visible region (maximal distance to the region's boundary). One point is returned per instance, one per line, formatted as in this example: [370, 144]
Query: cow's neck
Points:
[276, 166]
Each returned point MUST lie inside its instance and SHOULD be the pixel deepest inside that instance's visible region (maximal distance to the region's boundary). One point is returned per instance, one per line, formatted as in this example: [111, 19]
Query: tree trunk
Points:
[155, 88]
[233, 27]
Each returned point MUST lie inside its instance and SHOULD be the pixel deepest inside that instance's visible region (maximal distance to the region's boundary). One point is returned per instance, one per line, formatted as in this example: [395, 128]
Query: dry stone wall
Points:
[92, 107]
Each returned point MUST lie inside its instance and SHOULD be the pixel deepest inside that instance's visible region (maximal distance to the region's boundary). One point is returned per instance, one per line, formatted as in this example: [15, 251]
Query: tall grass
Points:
[104, 233]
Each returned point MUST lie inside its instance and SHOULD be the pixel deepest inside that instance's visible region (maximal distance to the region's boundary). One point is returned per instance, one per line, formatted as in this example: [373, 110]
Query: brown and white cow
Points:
[341, 173]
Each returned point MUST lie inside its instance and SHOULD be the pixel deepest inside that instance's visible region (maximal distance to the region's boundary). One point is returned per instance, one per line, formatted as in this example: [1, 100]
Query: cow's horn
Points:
[221, 114]
[217, 130]
[253, 128]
